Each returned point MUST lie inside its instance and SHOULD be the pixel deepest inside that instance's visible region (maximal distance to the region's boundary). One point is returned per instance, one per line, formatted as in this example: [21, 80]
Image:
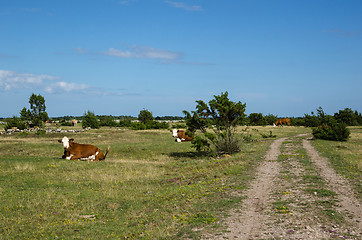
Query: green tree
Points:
[257, 119]
[347, 116]
[90, 120]
[37, 109]
[15, 122]
[329, 128]
[145, 116]
[221, 116]
[36, 114]
[25, 116]
[270, 119]
[107, 121]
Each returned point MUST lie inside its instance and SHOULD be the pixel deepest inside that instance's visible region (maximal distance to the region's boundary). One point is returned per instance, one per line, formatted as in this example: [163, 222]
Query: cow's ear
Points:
[60, 140]
[71, 140]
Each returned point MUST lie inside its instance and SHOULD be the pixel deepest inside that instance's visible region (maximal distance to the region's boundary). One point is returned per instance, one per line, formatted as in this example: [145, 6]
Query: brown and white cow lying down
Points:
[180, 135]
[74, 150]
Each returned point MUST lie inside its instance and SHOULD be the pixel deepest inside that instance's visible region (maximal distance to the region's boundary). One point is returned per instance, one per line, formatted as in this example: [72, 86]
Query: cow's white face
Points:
[65, 142]
[174, 132]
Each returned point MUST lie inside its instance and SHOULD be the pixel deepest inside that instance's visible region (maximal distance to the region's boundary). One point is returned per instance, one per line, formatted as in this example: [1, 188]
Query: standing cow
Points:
[74, 122]
[74, 150]
[282, 121]
[181, 135]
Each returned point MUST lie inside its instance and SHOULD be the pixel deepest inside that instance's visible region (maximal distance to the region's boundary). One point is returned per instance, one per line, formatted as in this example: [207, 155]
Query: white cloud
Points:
[126, 2]
[143, 52]
[65, 87]
[184, 6]
[344, 33]
[81, 50]
[10, 81]
[118, 53]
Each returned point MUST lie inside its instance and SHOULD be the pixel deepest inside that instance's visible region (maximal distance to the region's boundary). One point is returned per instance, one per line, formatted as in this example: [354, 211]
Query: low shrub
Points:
[157, 125]
[149, 125]
[107, 121]
[138, 126]
[90, 120]
[125, 123]
[65, 123]
[270, 135]
[15, 122]
[333, 131]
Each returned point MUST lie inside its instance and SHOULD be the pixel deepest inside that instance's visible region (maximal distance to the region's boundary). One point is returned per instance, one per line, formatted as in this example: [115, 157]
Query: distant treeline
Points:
[346, 116]
[122, 117]
[68, 118]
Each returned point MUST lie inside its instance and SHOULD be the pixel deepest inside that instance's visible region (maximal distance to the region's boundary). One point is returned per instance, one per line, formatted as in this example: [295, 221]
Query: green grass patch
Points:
[282, 207]
[149, 187]
[320, 192]
[332, 215]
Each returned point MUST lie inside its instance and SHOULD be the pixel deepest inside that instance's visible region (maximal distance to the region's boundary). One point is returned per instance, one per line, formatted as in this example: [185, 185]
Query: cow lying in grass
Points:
[181, 135]
[73, 151]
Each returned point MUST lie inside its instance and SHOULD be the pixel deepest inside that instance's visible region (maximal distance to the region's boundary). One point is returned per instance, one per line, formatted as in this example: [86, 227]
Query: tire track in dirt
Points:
[247, 223]
[344, 192]
[257, 217]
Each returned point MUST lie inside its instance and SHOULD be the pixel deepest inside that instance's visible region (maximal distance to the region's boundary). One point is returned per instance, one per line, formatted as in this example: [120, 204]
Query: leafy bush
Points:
[40, 132]
[125, 123]
[179, 125]
[107, 121]
[332, 131]
[200, 144]
[138, 126]
[146, 121]
[65, 123]
[37, 114]
[297, 121]
[145, 116]
[90, 120]
[149, 125]
[270, 135]
[221, 116]
[157, 125]
[270, 119]
[257, 119]
[349, 117]
[311, 120]
[15, 122]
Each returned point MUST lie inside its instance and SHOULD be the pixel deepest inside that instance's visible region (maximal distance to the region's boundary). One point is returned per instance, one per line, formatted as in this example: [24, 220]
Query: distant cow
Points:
[74, 150]
[181, 135]
[282, 121]
[74, 122]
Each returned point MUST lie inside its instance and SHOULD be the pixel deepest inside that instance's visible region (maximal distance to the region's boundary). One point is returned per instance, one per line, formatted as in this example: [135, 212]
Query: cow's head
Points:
[65, 141]
[174, 133]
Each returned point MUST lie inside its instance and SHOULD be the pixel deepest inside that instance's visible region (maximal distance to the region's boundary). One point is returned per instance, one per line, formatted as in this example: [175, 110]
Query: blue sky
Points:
[117, 57]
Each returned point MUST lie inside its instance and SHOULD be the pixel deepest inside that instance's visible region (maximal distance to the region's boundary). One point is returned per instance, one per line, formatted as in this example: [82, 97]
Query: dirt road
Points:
[296, 195]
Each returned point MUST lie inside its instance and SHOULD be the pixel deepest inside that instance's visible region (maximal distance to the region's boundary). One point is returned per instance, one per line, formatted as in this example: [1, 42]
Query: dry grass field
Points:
[149, 187]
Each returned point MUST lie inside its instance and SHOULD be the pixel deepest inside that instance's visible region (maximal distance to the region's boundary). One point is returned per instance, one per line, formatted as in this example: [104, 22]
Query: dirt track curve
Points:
[295, 195]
